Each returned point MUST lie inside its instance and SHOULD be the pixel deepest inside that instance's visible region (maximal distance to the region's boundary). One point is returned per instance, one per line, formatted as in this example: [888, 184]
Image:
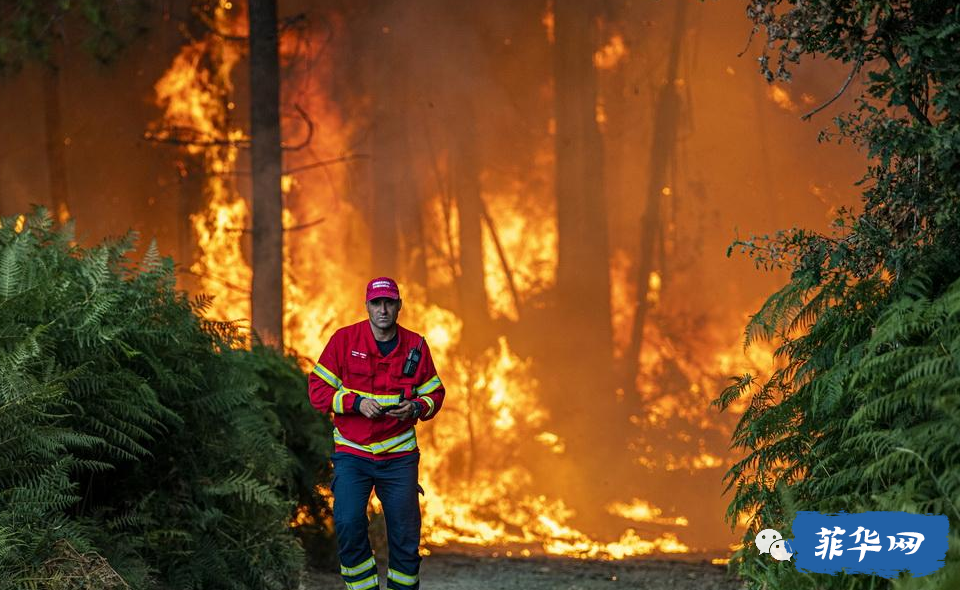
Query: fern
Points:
[132, 428]
[868, 422]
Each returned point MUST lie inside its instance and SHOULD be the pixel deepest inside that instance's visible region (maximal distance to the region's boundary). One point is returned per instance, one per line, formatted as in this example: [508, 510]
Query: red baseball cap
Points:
[383, 287]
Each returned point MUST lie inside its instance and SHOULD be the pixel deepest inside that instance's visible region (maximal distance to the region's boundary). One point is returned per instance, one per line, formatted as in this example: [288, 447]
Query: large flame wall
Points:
[424, 98]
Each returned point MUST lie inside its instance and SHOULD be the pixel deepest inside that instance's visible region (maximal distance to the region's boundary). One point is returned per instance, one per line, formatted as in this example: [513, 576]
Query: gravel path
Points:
[451, 571]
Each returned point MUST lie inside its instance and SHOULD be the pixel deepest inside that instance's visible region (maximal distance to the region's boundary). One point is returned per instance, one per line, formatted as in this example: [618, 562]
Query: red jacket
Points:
[351, 366]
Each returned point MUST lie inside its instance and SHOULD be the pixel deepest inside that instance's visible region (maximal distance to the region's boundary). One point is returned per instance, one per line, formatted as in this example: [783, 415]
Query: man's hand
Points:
[404, 411]
[370, 408]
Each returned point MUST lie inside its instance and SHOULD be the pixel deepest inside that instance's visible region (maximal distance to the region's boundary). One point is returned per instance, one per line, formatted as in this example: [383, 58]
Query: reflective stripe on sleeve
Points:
[328, 376]
[384, 399]
[338, 400]
[429, 403]
[406, 441]
[430, 386]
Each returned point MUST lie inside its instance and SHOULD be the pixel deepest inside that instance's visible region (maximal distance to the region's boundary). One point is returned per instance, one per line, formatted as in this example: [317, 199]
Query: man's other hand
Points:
[404, 411]
[370, 408]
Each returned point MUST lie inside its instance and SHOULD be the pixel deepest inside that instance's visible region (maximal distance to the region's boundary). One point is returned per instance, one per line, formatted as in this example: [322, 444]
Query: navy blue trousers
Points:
[395, 481]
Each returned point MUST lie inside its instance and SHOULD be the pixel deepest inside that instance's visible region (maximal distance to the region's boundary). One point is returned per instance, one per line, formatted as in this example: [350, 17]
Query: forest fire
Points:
[666, 297]
[195, 94]
[481, 491]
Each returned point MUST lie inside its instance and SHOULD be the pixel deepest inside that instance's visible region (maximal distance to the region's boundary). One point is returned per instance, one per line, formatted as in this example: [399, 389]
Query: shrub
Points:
[134, 430]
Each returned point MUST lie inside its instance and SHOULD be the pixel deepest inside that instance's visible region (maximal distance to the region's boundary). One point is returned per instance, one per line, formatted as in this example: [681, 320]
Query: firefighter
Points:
[376, 405]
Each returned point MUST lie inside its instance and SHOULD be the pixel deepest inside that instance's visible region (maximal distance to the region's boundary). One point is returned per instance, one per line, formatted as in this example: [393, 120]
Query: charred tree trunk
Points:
[384, 241]
[580, 390]
[466, 179]
[55, 137]
[662, 150]
[583, 272]
[266, 161]
[396, 226]
[189, 203]
[465, 164]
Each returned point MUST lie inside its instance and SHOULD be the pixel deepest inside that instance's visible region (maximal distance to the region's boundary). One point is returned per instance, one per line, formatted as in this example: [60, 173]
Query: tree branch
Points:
[223, 282]
[501, 255]
[846, 83]
[185, 136]
[247, 230]
[325, 163]
[304, 225]
[303, 115]
[887, 52]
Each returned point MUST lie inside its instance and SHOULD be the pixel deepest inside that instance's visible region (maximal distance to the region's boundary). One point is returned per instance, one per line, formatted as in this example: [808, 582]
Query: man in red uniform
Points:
[376, 404]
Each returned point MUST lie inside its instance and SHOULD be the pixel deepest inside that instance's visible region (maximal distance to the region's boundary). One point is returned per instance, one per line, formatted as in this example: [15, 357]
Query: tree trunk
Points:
[583, 273]
[55, 137]
[266, 161]
[661, 154]
[396, 227]
[466, 174]
[190, 201]
[579, 389]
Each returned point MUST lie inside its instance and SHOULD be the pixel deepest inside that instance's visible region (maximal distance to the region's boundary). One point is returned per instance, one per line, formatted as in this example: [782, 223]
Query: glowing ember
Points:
[548, 22]
[302, 518]
[552, 441]
[782, 98]
[642, 511]
[608, 56]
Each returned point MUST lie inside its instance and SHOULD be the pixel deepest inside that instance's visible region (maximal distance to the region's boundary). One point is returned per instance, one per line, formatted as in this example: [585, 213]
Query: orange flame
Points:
[608, 56]
[473, 497]
[781, 98]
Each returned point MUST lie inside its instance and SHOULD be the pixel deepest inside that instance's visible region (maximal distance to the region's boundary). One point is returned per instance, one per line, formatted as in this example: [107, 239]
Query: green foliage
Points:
[30, 28]
[873, 429]
[138, 435]
[862, 411]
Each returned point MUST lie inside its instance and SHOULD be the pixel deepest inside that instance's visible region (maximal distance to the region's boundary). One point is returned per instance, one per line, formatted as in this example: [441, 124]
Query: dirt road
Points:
[467, 572]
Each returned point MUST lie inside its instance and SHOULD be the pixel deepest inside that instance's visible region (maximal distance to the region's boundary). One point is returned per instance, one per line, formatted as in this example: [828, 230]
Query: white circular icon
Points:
[765, 538]
[781, 550]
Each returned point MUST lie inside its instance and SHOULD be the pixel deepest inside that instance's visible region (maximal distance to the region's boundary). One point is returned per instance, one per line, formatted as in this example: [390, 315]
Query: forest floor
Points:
[457, 571]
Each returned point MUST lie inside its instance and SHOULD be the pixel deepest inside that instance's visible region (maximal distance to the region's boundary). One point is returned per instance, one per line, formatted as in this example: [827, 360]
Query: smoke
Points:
[429, 152]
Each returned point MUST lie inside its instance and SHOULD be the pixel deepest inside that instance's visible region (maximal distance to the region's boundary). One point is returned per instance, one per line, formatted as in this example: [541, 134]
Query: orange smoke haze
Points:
[427, 102]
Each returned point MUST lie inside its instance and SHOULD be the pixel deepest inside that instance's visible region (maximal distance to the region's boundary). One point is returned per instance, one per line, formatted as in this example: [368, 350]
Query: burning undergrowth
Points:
[483, 460]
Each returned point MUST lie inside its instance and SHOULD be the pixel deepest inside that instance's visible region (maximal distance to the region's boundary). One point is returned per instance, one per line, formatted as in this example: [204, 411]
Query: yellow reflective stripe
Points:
[410, 445]
[429, 401]
[338, 401]
[430, 386]
[365, 583]
[328, 376]
[382, 398]
[406, 441]
[357, 569]
[396, 576]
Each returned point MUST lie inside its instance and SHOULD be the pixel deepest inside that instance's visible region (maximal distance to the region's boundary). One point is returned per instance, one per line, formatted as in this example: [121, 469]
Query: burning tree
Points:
[493, 213]
[266, 163]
